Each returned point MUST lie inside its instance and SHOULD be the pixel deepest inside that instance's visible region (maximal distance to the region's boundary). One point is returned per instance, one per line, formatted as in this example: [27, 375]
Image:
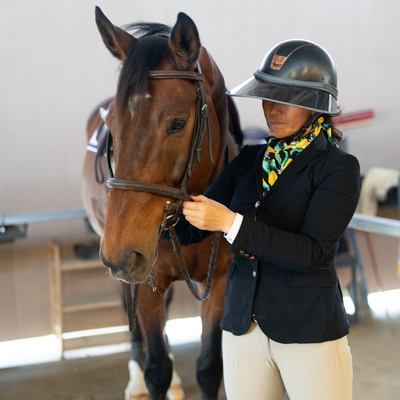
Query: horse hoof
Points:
[139, 397]
[175, 392]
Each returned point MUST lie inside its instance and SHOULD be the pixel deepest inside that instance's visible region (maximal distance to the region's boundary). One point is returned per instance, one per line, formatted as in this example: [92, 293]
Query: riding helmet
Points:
[295, 72]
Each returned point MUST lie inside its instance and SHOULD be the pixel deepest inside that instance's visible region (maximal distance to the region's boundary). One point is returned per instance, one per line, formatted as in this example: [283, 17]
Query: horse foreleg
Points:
[157, 366]
[138, 352]
[175, 391]
[209, 363]
[136, 389]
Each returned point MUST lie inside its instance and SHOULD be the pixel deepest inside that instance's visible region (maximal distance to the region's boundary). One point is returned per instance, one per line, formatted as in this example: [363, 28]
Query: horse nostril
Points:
[106, 262]
[131, 262]
[131, 267]
[137, 259]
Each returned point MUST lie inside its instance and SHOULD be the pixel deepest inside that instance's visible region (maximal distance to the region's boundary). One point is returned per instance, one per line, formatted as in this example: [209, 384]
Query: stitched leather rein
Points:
[171, 211]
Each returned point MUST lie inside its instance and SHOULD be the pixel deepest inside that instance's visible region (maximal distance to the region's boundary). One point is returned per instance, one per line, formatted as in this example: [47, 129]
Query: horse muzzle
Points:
[134, 266]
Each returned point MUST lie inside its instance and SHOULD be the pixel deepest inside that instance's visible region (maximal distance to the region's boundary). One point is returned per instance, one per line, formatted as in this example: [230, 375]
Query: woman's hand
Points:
[208, 215]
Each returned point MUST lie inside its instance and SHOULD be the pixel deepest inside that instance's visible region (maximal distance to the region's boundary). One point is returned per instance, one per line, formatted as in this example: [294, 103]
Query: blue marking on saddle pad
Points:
[92, 144]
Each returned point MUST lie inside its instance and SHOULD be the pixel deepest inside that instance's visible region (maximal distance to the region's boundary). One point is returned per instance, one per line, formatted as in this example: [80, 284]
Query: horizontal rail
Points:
[41, 216]
[359, 222]
[368, 223]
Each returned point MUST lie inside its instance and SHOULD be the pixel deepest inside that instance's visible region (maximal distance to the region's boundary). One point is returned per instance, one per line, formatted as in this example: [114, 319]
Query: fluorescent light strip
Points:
[349, 305]
[385, 304]
[183, 330]
[97, 351]
[95, 332]
[15, 353]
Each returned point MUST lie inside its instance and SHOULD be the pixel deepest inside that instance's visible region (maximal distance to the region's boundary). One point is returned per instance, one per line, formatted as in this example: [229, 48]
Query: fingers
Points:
[207, 214]
[201, 199]
[196, 212]
[196, 202]
[188, 205]
[193, 208]
[197, 198]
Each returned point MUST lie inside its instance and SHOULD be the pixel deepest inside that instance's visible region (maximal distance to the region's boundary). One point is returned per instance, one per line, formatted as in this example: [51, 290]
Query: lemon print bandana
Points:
[280, 152]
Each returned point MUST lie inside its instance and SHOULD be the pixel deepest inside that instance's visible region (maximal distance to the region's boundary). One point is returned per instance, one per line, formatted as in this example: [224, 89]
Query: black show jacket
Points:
[284, 263]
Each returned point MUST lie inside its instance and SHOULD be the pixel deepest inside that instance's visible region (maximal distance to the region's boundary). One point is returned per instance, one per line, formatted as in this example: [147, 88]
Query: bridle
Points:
[171, 211]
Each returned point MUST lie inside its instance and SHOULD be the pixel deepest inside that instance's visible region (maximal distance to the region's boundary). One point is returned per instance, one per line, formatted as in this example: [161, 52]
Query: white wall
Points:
[54, 69]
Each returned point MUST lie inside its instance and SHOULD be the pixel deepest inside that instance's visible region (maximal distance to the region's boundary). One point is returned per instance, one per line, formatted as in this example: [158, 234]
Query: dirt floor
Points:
[96, 378]
[375, 345]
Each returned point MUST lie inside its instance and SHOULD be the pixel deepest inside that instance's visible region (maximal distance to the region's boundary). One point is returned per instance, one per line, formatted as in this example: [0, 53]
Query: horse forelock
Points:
[151, 49]
[141, 29]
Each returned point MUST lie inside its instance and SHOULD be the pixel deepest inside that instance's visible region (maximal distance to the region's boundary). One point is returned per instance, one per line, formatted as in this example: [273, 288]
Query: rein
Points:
[171, 211]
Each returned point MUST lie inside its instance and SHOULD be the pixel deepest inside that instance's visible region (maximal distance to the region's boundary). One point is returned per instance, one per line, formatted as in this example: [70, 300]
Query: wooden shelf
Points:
[85, 303]
[82, 295]
[77, 265]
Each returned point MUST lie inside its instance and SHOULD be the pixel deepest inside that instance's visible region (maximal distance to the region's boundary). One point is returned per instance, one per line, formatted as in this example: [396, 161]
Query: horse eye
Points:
[178, 125]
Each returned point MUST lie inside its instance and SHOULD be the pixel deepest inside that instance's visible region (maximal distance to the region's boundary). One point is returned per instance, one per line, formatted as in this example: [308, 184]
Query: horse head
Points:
[152, 122]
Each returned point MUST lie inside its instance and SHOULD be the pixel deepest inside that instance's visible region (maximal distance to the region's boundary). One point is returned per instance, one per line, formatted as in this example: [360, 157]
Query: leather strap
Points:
[161, 190]
[182, 265]
[131, 305]
[176, 75]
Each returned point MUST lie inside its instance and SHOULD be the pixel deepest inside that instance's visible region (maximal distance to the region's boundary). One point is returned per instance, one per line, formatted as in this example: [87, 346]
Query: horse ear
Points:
[119, 42]
[185, 41]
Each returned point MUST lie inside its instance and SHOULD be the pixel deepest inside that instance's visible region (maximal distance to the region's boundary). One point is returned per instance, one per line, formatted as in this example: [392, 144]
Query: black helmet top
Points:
[295, 72]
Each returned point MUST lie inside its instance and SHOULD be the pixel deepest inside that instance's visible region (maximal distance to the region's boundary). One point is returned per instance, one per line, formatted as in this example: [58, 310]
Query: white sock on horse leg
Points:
[136, 385]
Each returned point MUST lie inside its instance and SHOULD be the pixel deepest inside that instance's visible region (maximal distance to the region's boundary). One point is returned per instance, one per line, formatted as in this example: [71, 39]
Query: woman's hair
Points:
[337, 135]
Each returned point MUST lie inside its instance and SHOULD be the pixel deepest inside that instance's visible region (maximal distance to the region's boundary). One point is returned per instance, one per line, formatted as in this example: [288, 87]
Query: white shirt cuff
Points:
[231, 235]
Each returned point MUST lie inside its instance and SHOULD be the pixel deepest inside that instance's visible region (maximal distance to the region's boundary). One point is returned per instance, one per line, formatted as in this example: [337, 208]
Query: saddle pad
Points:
[93, 143]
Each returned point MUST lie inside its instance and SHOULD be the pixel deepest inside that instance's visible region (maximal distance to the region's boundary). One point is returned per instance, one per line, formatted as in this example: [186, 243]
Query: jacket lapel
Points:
[298, 164]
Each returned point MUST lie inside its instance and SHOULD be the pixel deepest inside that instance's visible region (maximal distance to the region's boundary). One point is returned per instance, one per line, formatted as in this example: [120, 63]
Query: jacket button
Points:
[254, 274]
[241, 252]
[257, 204]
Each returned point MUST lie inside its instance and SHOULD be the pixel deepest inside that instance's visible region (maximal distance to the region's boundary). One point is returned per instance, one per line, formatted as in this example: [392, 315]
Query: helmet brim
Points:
[310, 99]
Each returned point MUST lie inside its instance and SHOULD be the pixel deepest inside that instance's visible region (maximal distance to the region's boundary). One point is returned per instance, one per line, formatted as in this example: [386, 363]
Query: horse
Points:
[152, 122]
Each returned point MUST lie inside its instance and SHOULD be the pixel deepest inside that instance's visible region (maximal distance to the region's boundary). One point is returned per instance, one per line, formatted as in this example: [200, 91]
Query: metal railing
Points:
[41, 216]
[372, 224]
[15, 226]
[360, 222]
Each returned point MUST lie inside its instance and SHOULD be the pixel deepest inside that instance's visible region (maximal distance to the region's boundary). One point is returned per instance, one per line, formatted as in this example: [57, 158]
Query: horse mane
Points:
[150, 49]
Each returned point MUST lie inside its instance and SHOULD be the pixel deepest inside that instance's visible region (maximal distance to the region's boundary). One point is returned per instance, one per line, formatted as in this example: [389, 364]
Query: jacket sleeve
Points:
[328, 214]
[221, 190]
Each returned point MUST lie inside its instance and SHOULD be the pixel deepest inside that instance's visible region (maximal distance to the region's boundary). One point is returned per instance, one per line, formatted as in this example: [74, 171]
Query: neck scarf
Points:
[281, 152]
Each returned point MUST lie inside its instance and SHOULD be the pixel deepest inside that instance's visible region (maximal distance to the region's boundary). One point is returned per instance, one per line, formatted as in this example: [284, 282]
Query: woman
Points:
[283, 207]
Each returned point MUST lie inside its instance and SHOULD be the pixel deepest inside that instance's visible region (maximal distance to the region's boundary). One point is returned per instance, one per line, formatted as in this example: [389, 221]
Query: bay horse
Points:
[151, 121]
